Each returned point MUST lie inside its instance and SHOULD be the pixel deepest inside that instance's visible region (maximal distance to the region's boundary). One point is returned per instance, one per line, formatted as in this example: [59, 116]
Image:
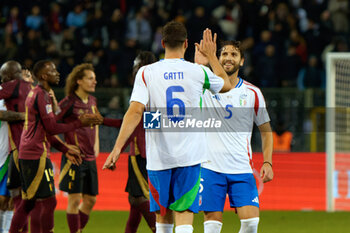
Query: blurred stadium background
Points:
[286, 43]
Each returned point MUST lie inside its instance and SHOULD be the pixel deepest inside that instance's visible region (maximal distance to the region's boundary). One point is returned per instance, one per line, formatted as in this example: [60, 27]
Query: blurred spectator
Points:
[157, 48]
[77, 18]
[96, 27]
[248, 67]
[35, 21]
[289, 68]
[114, 57]
[195, 26]
[55, 24]
[139, 29]
[8, 48]
[65, 67]
[339, 10]
[14, 20]
[311, 76]
[67, 45]
[296, 40]
[116, 26]
[33, 46]
[265, 40]
[228, 16]
[266, 67]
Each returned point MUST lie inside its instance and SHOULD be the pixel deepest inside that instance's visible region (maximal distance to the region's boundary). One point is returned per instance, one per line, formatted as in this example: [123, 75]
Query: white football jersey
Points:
[229, 149]
[4, 138]
[166, 85]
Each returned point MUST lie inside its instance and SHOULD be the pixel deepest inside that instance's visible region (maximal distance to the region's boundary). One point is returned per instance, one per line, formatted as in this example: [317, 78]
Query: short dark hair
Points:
[145, 58]
[38, 67]
[235, 43]
[174, 34]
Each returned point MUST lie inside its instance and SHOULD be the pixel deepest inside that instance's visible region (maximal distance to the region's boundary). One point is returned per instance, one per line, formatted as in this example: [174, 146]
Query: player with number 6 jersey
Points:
[173, 159]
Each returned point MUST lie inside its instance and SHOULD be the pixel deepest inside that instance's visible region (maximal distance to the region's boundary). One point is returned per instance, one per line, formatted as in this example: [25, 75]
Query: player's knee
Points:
[249, 225]
[89, 201]
[74, 202]
[213, 216]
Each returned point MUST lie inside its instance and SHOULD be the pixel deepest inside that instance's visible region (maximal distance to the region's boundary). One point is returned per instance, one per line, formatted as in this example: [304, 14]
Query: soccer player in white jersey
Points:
[173, 159]
[229, 170]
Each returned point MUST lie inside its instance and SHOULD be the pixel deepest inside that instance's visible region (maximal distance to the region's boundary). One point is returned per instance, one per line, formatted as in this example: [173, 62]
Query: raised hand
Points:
[199, 57]
[207, 45]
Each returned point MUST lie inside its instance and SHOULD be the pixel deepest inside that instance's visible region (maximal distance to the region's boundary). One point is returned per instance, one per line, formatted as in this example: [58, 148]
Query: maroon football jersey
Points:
[15, 93]
[40, 124]
[71, 108]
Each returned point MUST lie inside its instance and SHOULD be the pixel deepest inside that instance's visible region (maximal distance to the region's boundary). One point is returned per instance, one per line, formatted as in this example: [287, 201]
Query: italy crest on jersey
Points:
[243, 100]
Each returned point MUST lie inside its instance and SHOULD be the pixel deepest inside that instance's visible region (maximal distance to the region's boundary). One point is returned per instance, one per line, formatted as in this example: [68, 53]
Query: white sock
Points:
[212, 226]
[184, 229]
[249, 225]
[7, 220]
[2, 216]
[164, 228]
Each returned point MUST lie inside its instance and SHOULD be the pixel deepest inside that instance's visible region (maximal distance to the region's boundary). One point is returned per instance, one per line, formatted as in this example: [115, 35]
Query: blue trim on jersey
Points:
[175, 58]
[239, 84]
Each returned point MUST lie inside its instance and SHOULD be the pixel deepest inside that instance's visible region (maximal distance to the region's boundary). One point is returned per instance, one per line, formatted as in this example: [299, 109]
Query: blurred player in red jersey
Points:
[35, 166]
[14, 91]
[80, 182]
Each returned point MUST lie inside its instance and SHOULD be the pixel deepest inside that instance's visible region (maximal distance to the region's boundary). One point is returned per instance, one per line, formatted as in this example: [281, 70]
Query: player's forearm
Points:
[57, 143]
[12, 116]
[130, 122]
[219, 71]
[266, 141]
[267, 145]
[112, 122]
[97, 142]
[53, 128]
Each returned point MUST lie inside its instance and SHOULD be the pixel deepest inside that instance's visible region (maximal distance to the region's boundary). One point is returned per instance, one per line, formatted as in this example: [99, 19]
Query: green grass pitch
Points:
[270, 222]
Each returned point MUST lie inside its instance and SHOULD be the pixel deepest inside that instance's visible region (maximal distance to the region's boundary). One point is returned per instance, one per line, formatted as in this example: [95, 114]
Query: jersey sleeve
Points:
[7, 89]
[261, 115]
[49, 120]
[140, 91]
[212, 82]
[66, 107]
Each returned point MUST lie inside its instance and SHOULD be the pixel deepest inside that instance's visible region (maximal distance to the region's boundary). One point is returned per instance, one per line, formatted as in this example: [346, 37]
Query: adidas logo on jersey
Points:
[256, 200]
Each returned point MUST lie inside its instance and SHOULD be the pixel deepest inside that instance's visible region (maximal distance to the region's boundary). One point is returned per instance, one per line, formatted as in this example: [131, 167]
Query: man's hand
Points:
[88, 119]
[99, 116]
[111, 160]
[56, 108]
[266, 172]
[74, 155]
[199, 57]
[207, 45]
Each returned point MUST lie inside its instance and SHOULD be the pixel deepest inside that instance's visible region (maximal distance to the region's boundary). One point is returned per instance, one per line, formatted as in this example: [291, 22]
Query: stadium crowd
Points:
[285, 40]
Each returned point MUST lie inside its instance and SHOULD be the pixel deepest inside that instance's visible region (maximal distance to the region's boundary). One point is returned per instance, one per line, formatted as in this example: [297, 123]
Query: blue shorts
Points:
[241, 190]
[175, 189]
[3, 179]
